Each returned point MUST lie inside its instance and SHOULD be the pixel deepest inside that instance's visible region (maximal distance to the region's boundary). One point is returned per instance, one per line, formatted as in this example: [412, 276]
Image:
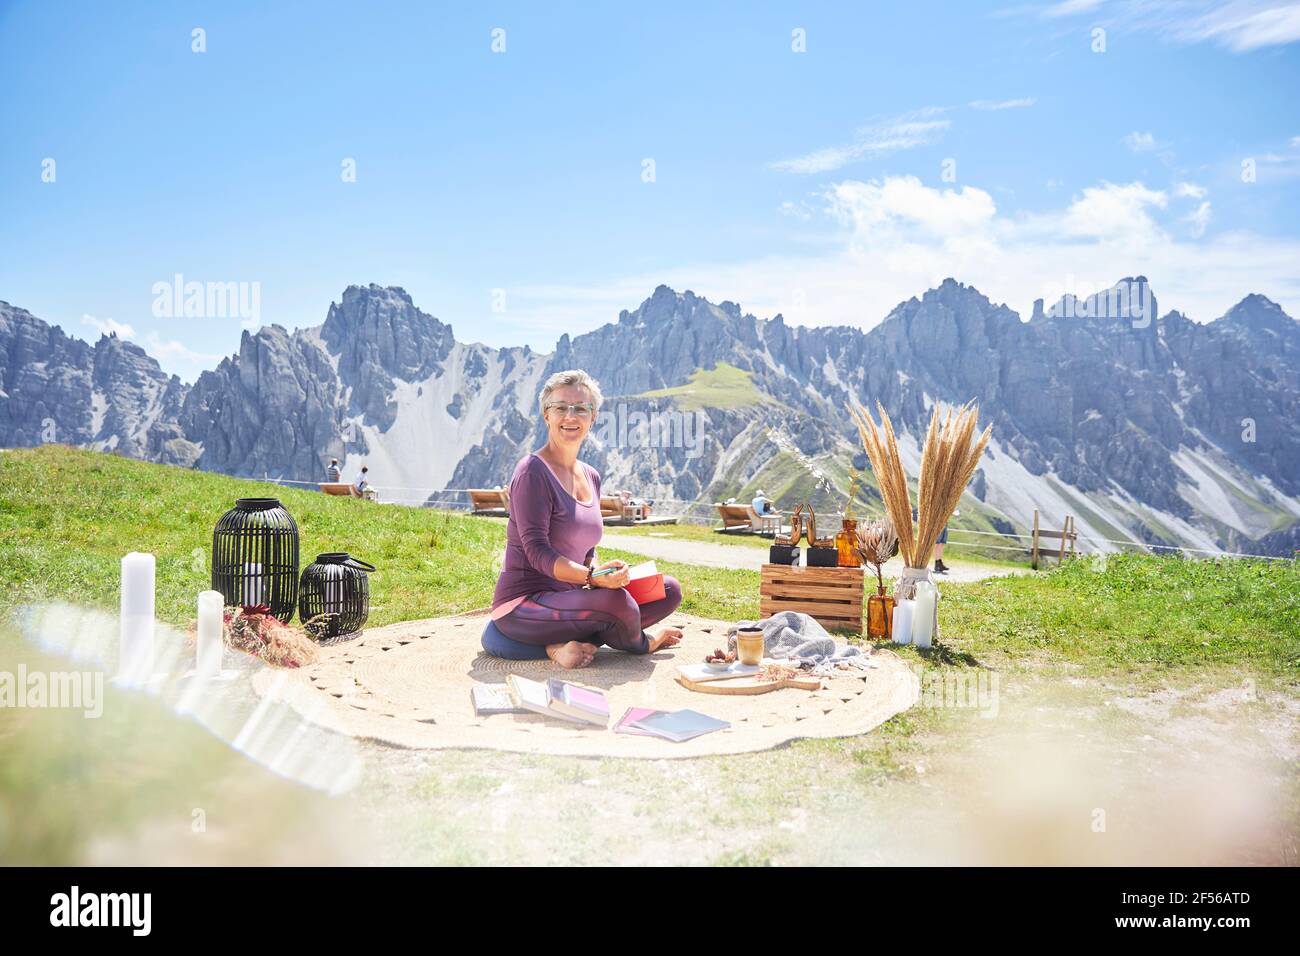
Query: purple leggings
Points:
[599, 616]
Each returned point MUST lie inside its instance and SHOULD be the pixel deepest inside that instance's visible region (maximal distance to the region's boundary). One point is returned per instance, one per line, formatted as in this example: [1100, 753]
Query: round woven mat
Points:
[409, 685]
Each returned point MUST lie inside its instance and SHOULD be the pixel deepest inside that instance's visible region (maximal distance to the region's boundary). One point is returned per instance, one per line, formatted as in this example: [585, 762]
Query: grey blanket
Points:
[796, 637]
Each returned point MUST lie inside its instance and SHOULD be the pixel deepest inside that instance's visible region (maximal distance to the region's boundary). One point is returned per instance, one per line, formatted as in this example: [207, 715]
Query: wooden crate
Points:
[833, 596]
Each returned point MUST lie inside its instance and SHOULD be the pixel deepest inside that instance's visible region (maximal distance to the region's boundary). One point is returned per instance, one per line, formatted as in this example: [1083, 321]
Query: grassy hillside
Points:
[723, 386]
[68, 515]
[1153, 674]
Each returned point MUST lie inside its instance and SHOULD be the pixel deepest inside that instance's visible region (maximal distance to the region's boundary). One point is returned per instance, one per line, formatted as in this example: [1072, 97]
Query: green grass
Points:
[68, 515]
[1067, 640]
[723, 386]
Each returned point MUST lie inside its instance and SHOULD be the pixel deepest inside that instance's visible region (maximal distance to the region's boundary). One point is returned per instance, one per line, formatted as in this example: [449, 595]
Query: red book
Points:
[645, 583]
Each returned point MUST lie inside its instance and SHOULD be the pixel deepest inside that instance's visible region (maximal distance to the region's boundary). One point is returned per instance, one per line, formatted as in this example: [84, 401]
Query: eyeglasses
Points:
[581, 410]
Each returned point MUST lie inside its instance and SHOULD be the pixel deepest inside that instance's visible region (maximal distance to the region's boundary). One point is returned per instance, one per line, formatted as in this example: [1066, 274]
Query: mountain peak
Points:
[1130, 298]
[1256, 311]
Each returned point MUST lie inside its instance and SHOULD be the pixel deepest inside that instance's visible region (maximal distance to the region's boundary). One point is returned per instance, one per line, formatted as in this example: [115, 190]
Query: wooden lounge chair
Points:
[336, 488]
[735, 517]
[494, 502]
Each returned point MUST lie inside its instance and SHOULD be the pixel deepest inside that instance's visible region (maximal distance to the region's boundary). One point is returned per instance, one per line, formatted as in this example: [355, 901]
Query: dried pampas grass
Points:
[948, 461]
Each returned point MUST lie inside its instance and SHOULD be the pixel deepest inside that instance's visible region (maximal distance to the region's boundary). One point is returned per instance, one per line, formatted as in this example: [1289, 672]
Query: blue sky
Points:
[508, 193]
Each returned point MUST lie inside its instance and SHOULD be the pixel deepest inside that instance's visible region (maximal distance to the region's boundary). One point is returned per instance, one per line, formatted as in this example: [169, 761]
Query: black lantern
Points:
[255, 556]
[335, 589]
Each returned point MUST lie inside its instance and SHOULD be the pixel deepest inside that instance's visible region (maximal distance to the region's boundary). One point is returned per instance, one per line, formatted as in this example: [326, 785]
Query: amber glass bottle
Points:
[880, 615]
[846, 545]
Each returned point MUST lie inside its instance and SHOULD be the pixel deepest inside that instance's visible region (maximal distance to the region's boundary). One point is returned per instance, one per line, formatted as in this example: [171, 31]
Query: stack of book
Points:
[583, 705]
[552, 698]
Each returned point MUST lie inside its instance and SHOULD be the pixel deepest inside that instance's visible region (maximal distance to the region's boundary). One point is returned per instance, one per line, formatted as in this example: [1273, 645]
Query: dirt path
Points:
[753, 559]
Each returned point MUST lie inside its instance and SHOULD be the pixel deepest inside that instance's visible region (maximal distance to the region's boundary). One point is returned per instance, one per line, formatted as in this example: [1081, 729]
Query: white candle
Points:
[252, 584]
[210, 649]
[923, 614]
[334, 592]
[901, 627]
[135, 639]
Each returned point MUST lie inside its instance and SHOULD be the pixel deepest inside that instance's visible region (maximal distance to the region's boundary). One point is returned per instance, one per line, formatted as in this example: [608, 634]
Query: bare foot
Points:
[570, 655]
[668, 637]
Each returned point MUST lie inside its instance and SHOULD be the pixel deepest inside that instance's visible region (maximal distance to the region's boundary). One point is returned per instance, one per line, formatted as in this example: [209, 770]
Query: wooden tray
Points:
[748, 685]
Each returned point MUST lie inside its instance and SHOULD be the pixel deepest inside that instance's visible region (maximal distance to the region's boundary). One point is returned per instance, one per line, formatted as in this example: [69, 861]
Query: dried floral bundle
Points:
[948, 461]
[255, 630]
[877, 543]
[776, 672]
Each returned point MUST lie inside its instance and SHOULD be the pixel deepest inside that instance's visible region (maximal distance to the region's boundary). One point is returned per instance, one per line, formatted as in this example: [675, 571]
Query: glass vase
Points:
[846, 545]
[880, 614]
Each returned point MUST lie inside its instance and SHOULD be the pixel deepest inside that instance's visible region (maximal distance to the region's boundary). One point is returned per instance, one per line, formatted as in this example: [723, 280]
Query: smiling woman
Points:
[550, 600]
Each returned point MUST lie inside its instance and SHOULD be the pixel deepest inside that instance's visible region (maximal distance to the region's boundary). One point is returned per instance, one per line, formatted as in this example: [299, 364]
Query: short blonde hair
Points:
[573, 376]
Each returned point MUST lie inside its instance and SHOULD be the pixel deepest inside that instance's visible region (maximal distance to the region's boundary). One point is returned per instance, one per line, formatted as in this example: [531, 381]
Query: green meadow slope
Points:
[68, 515]
[1157, 677]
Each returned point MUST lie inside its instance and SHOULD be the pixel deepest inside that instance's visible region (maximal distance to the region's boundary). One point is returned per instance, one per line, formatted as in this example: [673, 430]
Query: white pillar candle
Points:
[334, 593]
[209, 651]
[252, 584]
[923, 614]
[901, 627]
[135, 639]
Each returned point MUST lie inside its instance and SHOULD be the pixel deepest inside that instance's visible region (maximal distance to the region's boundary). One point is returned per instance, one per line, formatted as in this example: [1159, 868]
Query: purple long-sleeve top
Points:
[546, 523]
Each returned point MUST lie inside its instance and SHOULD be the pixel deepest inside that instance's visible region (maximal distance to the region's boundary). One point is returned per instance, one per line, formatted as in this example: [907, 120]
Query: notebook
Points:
[645, 583]
[679, 725]
[624, 726]
[581, 703]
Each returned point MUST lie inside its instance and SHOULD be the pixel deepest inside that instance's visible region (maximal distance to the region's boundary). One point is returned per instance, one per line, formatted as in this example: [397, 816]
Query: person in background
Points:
[334, 474]
[939, 566]
[362, 483]
[761, 504]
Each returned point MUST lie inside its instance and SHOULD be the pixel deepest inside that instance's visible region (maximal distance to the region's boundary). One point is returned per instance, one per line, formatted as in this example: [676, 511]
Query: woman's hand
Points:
[614, 579]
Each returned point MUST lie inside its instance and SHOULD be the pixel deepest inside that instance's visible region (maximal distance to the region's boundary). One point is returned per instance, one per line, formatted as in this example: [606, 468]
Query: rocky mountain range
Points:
[1146, 427]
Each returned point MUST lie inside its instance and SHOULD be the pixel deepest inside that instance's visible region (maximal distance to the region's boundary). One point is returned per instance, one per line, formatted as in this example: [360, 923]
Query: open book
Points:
[558, 698]
[645, 583]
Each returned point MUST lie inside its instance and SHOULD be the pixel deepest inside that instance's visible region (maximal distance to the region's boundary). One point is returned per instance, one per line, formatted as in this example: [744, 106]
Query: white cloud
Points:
[877, 206]
[1113, 211]
[993, 105]
[1140, 142]
[1238, 25]
[1199, 219]
[1245, 26]
[1071, 7]
[890, 240]
[175, 351]
[902, 132]
[109, 327]
[1190, 191]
